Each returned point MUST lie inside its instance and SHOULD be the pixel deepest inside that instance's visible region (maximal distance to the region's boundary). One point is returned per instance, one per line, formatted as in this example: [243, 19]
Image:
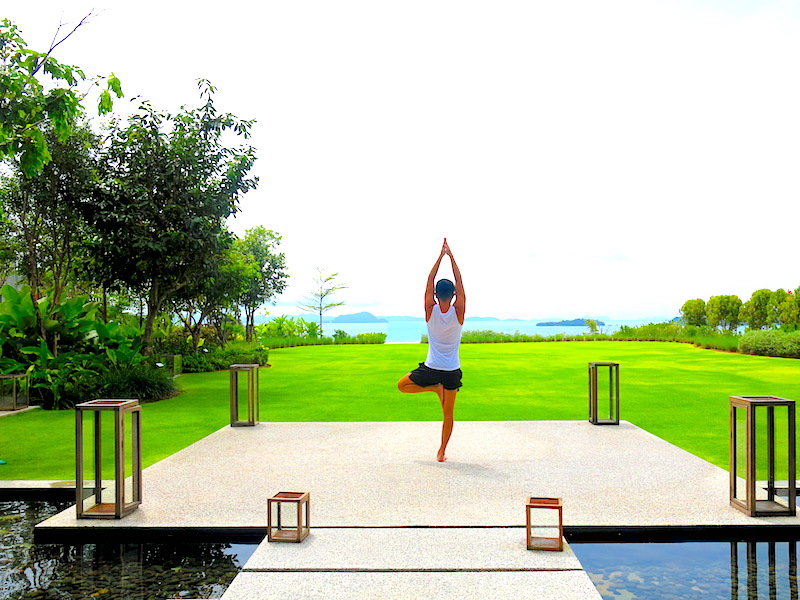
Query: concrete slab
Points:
[19, 411]
[400, 585]
[426, 549]
[385, 474]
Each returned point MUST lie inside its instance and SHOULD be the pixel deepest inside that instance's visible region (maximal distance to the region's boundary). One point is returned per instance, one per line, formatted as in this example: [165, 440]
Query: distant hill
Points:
[362, 317]
[481, 319]
[569, 323]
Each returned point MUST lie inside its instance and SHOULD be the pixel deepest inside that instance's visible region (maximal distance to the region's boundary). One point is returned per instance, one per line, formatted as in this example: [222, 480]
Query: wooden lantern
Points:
[277, 530]
[605, 412]
[94, 507]
[13, 392]
[251, 373]
[543, 542]
[172, 362]
[760, 484]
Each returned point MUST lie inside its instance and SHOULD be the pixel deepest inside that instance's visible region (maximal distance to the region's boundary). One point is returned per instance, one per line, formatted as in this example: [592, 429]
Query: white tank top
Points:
[444, 337]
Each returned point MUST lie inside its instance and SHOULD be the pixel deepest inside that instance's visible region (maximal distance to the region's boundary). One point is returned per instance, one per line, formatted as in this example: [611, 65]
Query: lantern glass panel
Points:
[544, 523]
[606, 398]
[128, 457]
[13, 392]
[241, 395]
[740, 433]
[771, 442]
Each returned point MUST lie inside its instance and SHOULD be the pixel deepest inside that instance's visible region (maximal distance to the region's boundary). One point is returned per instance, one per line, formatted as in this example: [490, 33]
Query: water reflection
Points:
[763, 570]
[692, 570]
[110, 571]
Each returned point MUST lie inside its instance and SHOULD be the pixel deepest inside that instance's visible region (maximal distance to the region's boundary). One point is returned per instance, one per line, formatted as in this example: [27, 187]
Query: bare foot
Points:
[440, 456]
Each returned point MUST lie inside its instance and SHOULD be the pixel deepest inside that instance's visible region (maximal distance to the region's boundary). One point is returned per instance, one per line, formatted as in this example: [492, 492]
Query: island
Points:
[570, 323]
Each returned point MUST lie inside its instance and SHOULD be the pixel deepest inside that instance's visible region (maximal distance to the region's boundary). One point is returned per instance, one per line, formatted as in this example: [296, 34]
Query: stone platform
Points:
[388, 519]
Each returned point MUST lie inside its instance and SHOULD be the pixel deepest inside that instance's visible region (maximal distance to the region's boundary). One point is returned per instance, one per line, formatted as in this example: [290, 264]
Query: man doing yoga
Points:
[441, 372]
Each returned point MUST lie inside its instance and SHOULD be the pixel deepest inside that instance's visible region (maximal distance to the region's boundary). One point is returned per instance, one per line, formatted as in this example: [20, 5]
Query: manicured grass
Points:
[676, 391]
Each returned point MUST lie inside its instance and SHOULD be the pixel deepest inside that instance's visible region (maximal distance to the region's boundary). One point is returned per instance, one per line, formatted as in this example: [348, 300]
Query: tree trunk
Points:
[154, 300]
[250, 325]
[104, 306]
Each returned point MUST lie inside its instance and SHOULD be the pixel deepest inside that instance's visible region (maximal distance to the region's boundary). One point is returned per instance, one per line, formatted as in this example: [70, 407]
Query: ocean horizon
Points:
[412, 330]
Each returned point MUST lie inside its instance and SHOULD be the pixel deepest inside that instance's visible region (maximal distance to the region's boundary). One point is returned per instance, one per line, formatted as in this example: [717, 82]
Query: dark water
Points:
[692, 570]
[107, 571]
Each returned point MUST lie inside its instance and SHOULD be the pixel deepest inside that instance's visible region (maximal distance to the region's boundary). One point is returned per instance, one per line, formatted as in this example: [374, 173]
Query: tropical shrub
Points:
[198, 362]
[62, 346]
[359, 338]
[772, 342]
[239, 353]
[141, 381]
[290, 342]
[225, 356]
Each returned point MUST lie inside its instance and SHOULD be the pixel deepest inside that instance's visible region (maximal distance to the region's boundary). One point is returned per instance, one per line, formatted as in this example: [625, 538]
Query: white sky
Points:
[583, 158]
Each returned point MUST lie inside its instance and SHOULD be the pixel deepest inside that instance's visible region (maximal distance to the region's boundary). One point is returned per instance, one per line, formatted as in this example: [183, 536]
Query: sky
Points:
[582, 158]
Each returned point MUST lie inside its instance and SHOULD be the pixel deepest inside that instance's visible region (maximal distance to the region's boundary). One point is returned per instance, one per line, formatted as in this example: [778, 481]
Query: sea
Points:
[412, 331]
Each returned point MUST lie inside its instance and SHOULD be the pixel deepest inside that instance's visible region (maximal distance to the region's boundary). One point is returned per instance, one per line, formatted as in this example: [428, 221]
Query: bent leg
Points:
[448, 407]
[407, 386]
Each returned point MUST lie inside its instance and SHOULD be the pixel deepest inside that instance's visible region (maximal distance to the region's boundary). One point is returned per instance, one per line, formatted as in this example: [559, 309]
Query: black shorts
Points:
[424, 376]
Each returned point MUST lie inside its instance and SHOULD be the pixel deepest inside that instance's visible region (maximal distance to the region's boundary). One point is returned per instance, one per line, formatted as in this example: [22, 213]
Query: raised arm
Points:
[430, 297]
[460, 302]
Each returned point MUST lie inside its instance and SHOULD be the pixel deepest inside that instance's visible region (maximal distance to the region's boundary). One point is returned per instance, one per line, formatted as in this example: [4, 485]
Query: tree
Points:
[270, 278]
[755, 311]
[319, 299]
[43, 222]
[694, 312]
[789, 312]
[26, 106]
[774, 306]
[167, 185]
[591, 325]
[219, 291]
[723, 312]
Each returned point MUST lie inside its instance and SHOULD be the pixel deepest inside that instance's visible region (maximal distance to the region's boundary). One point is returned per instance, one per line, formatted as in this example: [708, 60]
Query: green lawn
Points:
[676, 391]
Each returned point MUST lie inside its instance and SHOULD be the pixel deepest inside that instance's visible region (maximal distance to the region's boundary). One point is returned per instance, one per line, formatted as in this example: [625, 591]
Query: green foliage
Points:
[260, 244]
[670, 331]
[225, 356]
[789, 312]
[694, 312]
[76, 348]
[214, 296]
[27, 104]
[294, 341]
[360, 338]
[45, 227]
[141, 381]
[755, 312]
[198, 362]
[722, 312]
[287, 327]
[179, 341]
[157, 222]
[764, 309]
[771, 343]
[487, 336]
[320, 299]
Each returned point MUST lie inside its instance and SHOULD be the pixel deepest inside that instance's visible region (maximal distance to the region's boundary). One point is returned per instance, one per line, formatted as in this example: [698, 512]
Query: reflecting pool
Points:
[622, 571]
[692, 570]
[107, 571]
